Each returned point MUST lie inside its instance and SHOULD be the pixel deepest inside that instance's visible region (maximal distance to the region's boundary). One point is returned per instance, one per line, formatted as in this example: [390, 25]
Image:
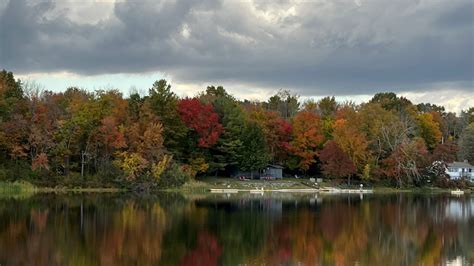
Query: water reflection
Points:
[168, 229]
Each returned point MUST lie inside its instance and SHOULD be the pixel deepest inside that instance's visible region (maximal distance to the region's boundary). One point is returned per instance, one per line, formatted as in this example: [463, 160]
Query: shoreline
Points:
[225, 187]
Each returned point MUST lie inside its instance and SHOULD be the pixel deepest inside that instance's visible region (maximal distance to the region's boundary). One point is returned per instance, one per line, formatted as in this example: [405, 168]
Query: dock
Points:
[295, 190]
[224, 190]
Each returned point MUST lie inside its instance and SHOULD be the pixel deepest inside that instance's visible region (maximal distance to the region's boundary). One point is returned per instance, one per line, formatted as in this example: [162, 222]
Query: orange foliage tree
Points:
[277, 132]
[307, 138]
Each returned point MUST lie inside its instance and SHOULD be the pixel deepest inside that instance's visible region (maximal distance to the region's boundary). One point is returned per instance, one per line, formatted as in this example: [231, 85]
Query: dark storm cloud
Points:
[346, 47]
[461, 15]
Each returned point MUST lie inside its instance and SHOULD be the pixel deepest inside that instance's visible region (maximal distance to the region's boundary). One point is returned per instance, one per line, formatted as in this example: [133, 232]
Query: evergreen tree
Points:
[253, 152]
[225, 154]
[466, 144]
[164, 103]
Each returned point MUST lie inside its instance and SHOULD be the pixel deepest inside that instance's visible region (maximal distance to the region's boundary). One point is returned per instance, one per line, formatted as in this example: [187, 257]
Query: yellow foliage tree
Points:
[198, 165]
[133, 164]
[158, 168]
[352, 141]
[429, 130]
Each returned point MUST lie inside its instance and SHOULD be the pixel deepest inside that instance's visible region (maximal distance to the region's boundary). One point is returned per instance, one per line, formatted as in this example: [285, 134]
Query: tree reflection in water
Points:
[167, 229]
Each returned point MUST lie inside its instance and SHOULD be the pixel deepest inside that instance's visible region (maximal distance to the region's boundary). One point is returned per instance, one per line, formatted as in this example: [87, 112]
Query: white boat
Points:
[457, 192]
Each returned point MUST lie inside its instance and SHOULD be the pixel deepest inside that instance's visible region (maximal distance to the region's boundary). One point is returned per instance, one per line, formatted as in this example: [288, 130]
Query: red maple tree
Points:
[201, 118]
[335, 163]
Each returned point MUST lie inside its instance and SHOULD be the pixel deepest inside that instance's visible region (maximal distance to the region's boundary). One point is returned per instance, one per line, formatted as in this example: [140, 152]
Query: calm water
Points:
[169, 229]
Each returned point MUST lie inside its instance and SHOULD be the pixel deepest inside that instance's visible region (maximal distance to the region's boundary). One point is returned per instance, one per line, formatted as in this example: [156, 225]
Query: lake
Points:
[278, 229]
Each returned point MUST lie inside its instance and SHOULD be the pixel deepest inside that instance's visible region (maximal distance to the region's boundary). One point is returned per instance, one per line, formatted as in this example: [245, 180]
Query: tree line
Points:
[78, 136]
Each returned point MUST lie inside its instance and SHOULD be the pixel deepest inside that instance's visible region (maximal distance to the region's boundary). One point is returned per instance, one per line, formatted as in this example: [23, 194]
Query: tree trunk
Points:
[106, 160]
[66, 165]
[82, 163]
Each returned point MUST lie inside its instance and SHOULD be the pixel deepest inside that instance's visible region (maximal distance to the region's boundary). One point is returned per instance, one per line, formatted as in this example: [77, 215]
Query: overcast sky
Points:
[352, 49]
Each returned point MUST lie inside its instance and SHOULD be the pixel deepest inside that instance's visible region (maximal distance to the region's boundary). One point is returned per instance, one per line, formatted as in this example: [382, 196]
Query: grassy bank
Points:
[203, 185]
[23, 187]
[17, 187]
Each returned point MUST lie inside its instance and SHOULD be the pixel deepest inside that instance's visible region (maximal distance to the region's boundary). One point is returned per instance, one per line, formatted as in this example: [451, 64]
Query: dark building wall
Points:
[274, 172]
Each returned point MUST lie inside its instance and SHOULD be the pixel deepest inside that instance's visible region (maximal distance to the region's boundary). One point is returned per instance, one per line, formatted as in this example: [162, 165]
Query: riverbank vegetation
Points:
[17, 187]
[79, 138]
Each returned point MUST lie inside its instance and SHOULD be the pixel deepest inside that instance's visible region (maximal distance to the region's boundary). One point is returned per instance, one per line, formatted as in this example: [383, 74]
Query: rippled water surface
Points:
[278, 229]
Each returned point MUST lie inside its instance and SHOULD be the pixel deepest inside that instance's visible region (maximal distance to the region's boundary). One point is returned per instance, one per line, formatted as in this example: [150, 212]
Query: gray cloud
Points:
[317, 47]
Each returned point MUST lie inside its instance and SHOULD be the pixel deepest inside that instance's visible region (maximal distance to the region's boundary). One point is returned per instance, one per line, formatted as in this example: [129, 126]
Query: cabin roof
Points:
[275, 166]
[460, 165]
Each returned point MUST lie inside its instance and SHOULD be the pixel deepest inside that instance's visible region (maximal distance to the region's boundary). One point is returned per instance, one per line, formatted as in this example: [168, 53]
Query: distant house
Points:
[271, 171]
[457, 170]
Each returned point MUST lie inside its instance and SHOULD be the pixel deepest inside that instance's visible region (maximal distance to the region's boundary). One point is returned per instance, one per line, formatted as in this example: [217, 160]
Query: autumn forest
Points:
[78, 137]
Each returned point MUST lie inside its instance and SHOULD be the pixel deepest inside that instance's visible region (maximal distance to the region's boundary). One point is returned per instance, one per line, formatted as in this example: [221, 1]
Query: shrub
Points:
[175, 176]
[447, 183]
[3, 174]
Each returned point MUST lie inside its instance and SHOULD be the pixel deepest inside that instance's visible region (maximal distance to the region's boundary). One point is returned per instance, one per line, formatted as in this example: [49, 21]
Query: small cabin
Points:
[458, 170]
[272, 171]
